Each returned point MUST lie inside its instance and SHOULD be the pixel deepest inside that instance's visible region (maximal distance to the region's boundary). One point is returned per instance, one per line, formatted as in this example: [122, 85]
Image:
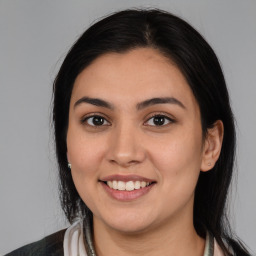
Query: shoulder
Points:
[51, 245]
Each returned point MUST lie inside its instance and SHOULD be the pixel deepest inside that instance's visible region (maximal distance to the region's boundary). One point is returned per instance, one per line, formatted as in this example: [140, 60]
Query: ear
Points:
[212, 146]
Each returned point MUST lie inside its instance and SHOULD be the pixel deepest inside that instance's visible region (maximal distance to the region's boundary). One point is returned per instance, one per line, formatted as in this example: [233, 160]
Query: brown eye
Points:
[96, 121]
[159, 120]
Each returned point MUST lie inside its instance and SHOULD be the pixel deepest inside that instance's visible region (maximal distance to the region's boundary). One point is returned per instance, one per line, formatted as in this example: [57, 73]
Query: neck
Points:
[166, 239]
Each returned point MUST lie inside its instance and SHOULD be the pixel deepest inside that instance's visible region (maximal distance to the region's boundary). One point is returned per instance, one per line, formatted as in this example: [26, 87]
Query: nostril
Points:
[124, 163]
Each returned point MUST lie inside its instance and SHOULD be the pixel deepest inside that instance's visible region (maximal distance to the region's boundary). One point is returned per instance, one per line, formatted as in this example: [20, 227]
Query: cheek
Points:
[178, 160]
[177, 150]
[85, 153]
[177, 165]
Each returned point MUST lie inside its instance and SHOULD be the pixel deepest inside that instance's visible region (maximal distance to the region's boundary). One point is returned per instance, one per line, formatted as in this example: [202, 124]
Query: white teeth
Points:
[114, 184]
[120, 185]
[143, 184]
[137, 184]
[110, 184]
[128, 186]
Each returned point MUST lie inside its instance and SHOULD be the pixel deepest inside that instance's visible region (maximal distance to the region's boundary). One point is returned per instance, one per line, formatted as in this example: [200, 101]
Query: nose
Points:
[126, 147]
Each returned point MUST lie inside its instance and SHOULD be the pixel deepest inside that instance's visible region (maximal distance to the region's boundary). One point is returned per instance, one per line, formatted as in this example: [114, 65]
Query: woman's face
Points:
[135, 141]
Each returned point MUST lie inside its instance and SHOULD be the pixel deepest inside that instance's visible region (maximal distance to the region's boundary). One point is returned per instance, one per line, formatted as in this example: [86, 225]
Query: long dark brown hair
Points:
[183, 45]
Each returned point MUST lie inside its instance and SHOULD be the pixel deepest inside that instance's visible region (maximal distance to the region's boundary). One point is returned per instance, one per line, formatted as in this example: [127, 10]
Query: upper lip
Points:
[126, 178]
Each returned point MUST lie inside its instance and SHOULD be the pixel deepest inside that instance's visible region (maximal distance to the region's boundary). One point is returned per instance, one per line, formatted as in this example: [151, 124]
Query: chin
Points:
[131, 228]
[128, 223]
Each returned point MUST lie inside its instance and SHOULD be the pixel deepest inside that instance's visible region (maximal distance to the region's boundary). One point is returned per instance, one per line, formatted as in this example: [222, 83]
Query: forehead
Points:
[134, 75]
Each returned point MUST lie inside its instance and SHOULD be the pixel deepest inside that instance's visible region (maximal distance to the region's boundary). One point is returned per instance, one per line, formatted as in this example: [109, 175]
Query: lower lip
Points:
[123, 195]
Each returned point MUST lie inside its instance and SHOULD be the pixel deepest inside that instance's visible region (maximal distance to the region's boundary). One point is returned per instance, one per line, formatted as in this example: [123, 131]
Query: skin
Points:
[129, 143]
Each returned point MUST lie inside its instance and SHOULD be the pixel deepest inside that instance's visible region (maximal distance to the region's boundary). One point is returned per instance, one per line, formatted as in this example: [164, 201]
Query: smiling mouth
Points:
[127, 186]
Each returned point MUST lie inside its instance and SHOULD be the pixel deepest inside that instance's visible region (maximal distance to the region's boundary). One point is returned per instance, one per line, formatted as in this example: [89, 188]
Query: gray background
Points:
[34, 37]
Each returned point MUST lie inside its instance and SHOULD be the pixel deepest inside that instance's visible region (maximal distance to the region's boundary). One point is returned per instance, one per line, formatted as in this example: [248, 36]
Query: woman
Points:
[145, 142]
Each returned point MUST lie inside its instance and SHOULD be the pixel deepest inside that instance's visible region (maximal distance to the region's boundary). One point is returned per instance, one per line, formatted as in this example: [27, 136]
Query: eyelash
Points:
[160, 115]
[85, 119]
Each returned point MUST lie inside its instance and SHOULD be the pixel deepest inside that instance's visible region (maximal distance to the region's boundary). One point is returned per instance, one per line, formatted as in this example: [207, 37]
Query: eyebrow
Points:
[155, 101]
[150, 102]
[95, 102]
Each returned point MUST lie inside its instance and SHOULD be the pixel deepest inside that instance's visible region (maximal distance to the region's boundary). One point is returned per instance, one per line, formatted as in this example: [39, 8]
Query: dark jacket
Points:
[51, 245]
